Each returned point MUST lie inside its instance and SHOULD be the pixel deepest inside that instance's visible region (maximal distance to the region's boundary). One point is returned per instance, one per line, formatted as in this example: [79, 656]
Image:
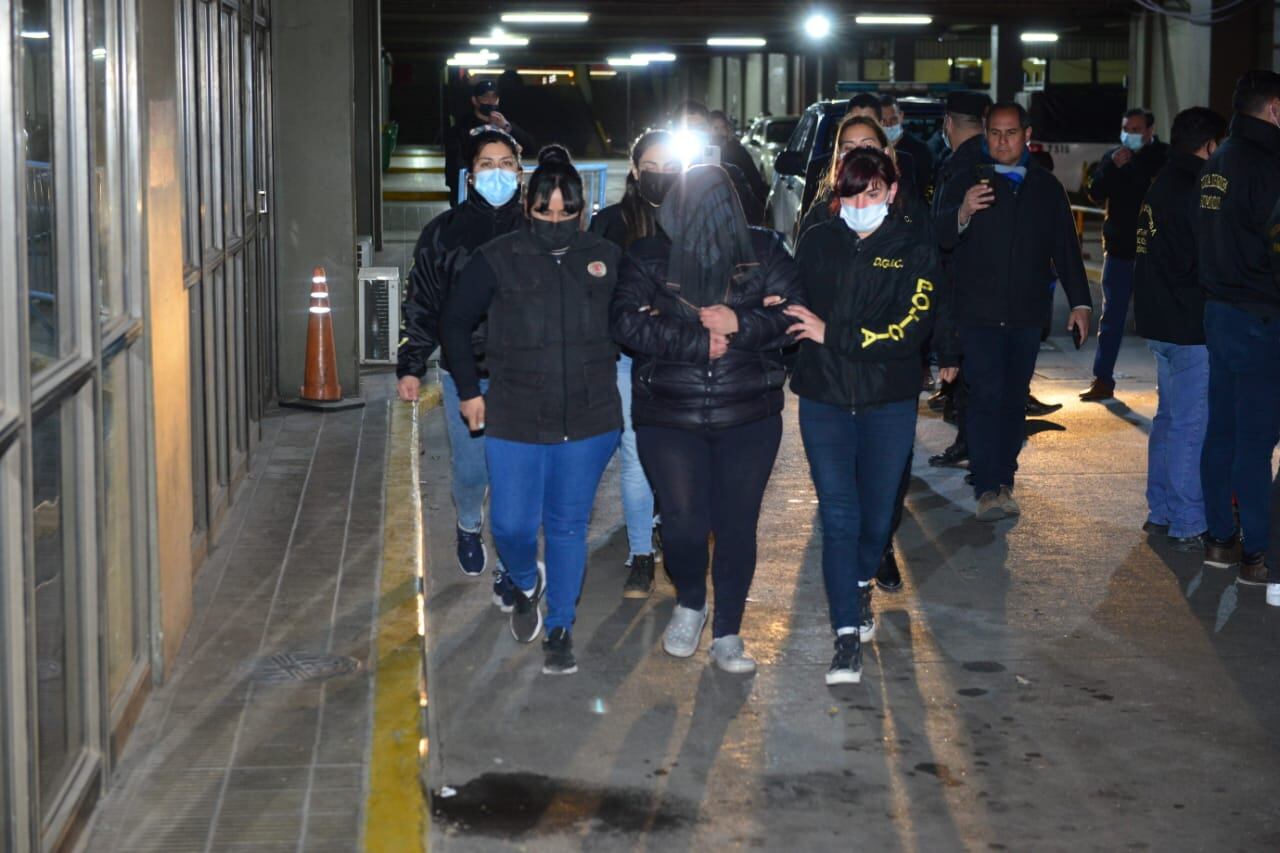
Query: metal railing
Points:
[40, 227]
[1080, 211]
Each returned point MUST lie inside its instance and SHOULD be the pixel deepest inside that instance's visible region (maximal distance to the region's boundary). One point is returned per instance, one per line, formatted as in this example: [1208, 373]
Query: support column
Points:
[315, 174]
[904, 59]
[1006, 61]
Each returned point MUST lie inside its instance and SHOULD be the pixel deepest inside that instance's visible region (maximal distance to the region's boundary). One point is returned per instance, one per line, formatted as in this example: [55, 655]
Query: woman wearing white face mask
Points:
[875, 294]
[447, 243]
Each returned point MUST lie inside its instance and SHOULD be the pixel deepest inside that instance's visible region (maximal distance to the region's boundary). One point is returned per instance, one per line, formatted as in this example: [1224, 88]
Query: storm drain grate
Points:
[287, 667]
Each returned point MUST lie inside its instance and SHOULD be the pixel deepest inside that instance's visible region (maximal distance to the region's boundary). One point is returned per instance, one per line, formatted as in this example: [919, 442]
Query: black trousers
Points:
[711, 482]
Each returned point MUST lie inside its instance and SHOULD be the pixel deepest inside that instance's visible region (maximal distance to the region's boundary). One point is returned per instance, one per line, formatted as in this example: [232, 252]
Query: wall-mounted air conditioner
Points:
[379, 314]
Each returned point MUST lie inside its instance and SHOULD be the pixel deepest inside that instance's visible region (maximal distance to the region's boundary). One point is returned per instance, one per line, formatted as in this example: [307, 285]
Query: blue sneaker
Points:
[472, 555]
[503, 590]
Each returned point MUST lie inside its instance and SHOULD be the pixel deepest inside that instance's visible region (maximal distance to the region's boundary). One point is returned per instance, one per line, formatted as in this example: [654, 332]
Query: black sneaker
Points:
[1221, 553]
[558, 649]
[503, 590]
[867, 628]
[526, 614]
[640, 581]
[846, 665]
[888, 577]
[472, 555]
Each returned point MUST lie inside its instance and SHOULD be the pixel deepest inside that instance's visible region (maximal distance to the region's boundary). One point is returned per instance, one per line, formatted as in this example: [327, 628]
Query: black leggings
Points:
[711, 482]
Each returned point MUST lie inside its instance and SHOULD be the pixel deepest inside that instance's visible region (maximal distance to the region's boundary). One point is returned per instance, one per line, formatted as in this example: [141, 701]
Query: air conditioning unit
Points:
[364, 252]
[379, 314]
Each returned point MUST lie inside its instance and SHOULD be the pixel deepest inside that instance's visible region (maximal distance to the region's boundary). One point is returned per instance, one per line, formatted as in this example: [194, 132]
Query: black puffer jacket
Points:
[674, 382]
[1168, 304]
[881, 299]
[443, 249]
[1121, 189]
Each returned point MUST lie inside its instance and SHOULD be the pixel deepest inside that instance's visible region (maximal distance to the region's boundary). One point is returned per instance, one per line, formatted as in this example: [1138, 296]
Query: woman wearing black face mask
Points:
[654, 168]
[552, 415]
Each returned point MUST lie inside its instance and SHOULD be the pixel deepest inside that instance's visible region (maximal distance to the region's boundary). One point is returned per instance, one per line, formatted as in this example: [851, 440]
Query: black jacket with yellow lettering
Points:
[1238, 189]
[1168, 304]
[880, 298]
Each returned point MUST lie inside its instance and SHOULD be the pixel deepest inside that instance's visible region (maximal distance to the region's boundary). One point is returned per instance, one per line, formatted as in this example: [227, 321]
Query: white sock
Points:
[844, 632]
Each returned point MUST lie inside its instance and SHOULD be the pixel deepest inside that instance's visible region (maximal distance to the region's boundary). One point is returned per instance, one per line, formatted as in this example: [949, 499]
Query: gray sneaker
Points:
[1007, 502]
[989, 507]
[728, 654]
[684, 631]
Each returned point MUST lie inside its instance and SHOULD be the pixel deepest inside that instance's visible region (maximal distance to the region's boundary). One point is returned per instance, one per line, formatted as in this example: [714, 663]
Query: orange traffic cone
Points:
[320, 388]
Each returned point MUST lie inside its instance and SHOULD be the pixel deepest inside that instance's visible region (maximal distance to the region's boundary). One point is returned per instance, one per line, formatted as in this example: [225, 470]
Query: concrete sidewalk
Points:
[1057, 682]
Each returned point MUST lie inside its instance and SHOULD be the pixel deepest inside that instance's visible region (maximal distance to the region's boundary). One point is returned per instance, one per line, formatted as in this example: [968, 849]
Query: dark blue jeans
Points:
[552, 487]
[1117, 290]
[1244, 421]
[856, 460]
[1174, 496]
[998, 363]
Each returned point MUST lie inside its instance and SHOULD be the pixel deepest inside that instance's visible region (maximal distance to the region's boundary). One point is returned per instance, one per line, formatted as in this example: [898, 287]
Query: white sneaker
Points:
[684, 631]
[729, 654]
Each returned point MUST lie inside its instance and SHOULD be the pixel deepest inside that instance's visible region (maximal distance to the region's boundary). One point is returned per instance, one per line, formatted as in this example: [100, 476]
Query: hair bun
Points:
[554, 153]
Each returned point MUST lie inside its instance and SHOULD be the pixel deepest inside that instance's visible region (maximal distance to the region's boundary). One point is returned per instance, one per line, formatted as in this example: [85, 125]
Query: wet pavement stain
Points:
[984, 666]
[942, 771]
[972, 691]
[515, 805]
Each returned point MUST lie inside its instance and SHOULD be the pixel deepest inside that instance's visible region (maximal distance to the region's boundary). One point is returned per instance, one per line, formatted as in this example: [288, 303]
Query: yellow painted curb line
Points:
[396, 817]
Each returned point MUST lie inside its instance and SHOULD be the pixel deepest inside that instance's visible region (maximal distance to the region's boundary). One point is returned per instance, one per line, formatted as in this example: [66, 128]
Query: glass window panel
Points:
[59, 724]
[49, 334]
[121, 587]
[106, 173]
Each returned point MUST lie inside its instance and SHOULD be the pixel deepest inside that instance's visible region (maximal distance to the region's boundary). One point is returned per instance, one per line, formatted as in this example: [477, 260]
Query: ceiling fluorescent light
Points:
[626, 62]
[735, 41]
[545, 17]
[913, 20]
[1040, 38]
[500, 39]
[655, 57]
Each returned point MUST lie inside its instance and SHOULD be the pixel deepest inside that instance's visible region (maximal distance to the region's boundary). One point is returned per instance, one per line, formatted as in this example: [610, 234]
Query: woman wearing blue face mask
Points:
[875, 293]
[447, 243]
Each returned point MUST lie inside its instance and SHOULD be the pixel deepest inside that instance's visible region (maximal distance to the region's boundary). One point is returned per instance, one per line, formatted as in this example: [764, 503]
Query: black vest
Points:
[552, 363]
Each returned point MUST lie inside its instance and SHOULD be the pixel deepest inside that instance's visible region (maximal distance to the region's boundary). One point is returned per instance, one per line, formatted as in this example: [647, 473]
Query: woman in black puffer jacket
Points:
[707, 392]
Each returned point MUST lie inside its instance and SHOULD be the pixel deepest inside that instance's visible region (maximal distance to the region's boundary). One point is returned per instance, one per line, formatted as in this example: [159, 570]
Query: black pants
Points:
[998, 364]
[900, 501]
[711, 482]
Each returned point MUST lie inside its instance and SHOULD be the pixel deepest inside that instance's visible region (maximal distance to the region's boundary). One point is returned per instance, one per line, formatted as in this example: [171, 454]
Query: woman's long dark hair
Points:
[859, 169]
[555, 172]
[637, 214]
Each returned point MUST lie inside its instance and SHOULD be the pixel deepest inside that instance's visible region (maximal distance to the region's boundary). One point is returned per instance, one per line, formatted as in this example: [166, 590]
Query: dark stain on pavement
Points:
[984, 666]
[515, 805]
[942, 771]
[972, 691]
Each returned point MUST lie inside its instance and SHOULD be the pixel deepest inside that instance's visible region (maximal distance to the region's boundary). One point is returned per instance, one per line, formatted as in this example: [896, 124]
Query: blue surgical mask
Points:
[496, 186]
[894, 133]
[1132, 141]
[864, 220]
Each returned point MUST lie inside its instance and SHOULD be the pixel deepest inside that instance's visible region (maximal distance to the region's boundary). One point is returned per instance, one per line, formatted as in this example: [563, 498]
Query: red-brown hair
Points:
[859, 169]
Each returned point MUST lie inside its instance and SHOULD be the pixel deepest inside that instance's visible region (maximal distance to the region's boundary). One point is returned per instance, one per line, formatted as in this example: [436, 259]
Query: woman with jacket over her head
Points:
[492, 209]
[551, 413]
[707, 393]
[875, 294]
[654, 169]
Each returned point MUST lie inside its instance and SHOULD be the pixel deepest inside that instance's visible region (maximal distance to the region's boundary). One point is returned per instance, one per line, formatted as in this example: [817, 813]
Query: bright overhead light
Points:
[1040, 38]
[500, 38]
[484, 57]
[603, 73]
[99, 53]
[735, 41]
[486, 72]
[655, 57]
[545, 72]
[35, 34]
[545, 17]
[917, 20]
[818, 26]
[626, 62]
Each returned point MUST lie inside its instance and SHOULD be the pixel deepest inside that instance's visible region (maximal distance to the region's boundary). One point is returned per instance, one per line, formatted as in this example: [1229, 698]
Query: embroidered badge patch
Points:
[598, 269]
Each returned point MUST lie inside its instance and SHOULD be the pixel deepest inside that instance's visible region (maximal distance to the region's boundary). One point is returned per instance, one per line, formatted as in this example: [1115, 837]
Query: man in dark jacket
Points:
[1238, 191]
[484, 111]
[1009, 227]
[1168, 308]
[903, 141]
[733, 152]
[1120, 180]
[868, 105]
[694, 119]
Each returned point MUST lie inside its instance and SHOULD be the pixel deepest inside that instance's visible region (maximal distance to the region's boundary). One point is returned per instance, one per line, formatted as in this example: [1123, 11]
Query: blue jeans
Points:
[856, 460]
[552, 487]
[998, 363]
[637, 495]
[466, 458]
[1117, 289]
[1244, 421]
[1174, 496]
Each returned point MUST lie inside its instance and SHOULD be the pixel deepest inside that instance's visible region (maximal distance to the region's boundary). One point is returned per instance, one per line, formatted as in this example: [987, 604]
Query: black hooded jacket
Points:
[881, 298]
[674, 382]
[443, 249]
[1121, 189]
[1238, 190]
[1168, 304]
